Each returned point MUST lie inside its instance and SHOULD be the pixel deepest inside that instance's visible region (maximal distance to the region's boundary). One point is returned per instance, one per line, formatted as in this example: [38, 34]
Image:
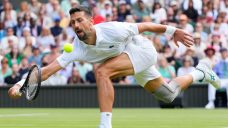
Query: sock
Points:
[197, 75]
[106, 119]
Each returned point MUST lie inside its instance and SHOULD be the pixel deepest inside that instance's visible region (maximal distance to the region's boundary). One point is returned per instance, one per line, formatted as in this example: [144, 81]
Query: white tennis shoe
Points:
[209, 75]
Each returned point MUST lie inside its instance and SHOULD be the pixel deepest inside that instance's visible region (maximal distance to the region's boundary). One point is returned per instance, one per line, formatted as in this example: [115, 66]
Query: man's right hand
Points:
[14, 92]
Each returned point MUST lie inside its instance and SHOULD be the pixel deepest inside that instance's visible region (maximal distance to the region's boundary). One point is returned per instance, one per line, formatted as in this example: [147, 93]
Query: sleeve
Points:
[128, 29]
[66, 58]
[119, 31]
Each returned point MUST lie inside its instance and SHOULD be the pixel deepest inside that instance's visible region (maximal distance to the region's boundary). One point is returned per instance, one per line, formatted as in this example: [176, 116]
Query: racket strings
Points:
[33, 83]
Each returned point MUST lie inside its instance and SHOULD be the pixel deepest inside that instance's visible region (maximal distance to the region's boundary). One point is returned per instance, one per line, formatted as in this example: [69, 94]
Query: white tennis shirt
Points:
[111, 40]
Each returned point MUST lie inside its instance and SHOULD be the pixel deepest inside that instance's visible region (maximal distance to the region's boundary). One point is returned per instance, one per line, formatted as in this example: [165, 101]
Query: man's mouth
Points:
[79, 32]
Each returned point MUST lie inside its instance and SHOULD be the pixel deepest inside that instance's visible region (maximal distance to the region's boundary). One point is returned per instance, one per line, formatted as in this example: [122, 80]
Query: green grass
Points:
[122, 118]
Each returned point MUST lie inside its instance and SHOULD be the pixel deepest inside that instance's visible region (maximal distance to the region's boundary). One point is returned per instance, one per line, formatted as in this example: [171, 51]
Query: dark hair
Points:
[80, 8]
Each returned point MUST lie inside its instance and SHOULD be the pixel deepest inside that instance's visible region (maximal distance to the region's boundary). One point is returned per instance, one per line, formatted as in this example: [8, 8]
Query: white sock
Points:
[106, 119]
[197, 75]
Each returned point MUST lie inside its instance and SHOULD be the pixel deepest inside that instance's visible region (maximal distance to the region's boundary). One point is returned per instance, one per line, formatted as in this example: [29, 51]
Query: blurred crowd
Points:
[34, 32]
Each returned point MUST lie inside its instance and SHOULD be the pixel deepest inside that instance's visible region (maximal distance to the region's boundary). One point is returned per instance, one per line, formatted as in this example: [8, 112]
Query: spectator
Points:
[83, 68]
[26, 19]
[115, 14]
[123, 11]
[199, 29]
[9, 41]
[196, 4]
[224, 6]
[158, 13]
[97, 17]
[53, 54]
[64, 38]
[24, 10]
[65, 5]
[191, 12]
[65, 20]
[35, 28]
[130, 19]
[221, 69]
[8, 12]
[169, 54]
[187, 66]
[216, 42]
[2, 31]
[171, 18]
[45, 40]
[191, 52]
[167, 71]
[24, 66]
[75, 77]
[184, 24]
[175, 7]
[90, 76]
[56, 30]
[199, 46]
[14, 57]
[56, 9]
[26, 39]
[140, 10]
[14, 77]
[210, 54]
[67, 71]
[34, 6]
[55, 79]
[107, 9]
[36, 56]
[18, 29]
[5, 70]
[101, 4]
[43, 19]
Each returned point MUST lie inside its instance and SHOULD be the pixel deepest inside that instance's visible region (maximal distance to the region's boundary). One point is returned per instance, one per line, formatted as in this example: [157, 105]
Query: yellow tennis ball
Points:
[68, 47]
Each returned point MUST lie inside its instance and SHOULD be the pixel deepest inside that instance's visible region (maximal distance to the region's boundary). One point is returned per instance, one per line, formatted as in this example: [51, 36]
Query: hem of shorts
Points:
[131, 61]
[149, 80]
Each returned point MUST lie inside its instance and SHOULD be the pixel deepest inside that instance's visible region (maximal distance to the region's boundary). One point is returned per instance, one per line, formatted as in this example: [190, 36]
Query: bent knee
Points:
[167, 92]
[102, 72]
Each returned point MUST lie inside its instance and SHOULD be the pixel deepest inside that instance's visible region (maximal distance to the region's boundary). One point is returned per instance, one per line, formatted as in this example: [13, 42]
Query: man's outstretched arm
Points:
[46, 72]
[178, 34]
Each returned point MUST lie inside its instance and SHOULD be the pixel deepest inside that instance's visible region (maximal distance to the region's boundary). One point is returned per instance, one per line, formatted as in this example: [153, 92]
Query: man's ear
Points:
[91, 20]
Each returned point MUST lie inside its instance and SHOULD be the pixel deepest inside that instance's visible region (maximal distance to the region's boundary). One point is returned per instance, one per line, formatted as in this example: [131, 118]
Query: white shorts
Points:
[143, 56]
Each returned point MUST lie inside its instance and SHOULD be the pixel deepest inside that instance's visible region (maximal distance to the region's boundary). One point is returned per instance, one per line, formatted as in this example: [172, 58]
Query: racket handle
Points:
[18, 93]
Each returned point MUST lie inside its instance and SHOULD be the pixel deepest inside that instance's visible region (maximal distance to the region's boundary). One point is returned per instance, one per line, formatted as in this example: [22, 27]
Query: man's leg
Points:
[211, 97]
[168, 92]
[114, 67]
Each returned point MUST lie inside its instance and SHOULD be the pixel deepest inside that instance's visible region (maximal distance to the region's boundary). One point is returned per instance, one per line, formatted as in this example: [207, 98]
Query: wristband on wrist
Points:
[21, 82]
[170, 30]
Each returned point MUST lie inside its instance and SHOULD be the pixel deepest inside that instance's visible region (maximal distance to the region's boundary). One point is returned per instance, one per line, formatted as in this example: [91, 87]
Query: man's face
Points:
[81, 24]
[224, 54]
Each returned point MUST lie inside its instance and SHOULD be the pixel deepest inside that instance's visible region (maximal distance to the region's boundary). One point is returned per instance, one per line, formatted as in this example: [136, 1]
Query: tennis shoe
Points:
[209, 75]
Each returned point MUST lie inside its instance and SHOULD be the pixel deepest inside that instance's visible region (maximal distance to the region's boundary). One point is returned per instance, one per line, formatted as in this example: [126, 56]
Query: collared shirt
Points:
[112, 38]
[221, 69]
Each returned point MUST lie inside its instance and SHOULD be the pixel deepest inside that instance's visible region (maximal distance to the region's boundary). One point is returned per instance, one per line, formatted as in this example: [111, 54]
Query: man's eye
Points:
[79, 20]
[72, 22]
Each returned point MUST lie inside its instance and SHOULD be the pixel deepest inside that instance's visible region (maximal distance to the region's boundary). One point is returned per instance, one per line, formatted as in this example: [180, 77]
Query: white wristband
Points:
[21, 82]
[170, 30]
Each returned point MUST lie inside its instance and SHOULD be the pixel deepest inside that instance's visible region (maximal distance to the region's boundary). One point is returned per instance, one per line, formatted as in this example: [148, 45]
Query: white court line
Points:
[23, 115]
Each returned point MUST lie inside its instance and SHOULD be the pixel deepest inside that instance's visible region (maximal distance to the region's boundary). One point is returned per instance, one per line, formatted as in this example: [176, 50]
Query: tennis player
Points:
[122, 51]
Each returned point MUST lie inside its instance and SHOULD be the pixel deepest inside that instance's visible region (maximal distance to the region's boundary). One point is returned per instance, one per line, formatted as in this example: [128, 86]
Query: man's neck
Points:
[91, 40]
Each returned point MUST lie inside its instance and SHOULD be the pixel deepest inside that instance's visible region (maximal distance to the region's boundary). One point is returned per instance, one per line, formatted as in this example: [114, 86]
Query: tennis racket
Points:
[32, 83]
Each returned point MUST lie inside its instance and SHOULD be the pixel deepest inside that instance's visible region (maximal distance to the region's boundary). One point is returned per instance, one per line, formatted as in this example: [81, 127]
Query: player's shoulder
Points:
[112, 24]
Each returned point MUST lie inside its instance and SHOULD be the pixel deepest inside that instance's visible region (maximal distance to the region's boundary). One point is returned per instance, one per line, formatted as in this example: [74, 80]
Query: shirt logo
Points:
[111, 46]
